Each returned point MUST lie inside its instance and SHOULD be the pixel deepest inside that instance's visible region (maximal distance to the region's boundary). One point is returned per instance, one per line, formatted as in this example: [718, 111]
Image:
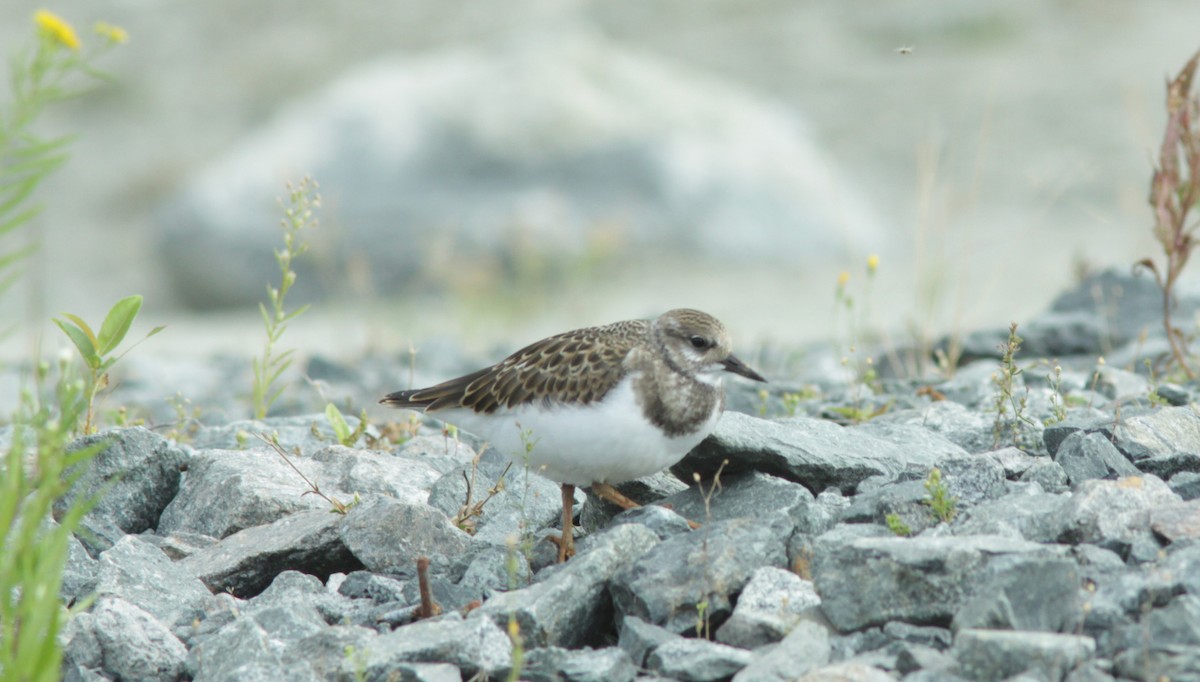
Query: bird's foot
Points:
[606, 492]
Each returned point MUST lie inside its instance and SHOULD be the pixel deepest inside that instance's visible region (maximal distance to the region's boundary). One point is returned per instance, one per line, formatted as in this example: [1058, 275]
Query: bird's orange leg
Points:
[566, 544]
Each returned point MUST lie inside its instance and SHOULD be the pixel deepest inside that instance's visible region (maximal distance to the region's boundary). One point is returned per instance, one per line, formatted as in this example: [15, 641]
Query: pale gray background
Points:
[1012, 147]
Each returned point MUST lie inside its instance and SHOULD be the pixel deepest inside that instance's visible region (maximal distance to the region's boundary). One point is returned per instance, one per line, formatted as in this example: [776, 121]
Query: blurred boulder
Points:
[557, 147]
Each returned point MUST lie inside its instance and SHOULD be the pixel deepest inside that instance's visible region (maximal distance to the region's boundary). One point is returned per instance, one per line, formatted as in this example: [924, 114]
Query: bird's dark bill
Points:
[732, 364]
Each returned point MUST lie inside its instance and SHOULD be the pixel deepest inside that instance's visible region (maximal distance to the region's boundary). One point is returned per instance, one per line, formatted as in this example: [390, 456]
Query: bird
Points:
[597, 406]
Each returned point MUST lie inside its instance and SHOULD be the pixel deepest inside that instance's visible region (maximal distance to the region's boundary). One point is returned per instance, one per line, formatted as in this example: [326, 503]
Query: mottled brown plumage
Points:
[579, 366]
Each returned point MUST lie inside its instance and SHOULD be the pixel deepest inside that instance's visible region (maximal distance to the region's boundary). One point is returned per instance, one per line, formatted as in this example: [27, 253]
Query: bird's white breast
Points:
[608, 441]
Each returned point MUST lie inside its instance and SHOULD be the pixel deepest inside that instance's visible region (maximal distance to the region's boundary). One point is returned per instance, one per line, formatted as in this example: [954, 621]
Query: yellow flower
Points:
[52, 26]
[872, 263]
[114, 34]
[843, 277]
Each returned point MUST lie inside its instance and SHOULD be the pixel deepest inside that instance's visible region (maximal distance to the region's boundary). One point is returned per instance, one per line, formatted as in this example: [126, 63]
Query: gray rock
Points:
[921, 580]
[638, 638]
[491, 569]
[1176, 522]
[242, 650]
[474, 645]
[1106, 310]
[998, 654]
[247, 561]
[1186, 484]
[928, 635]
[689, 580]
[1028, 513]
[304, 433]
[334, 652]
[751, 494]
[133, 645]
[1014, 461]
[806, 647]
[973, 479]
[181, 544]
[1113, 514]
[1091, 671]
[906, 499]
[1090, 455]
[292, 589]
[697, 660]
[80, 646]
[442, 453]
[1165, 645]
[378, 588]
[423, 120]
[139, 573]
[1047, 474]
[388, 535]
[662, 521]
[552, 664]
[847, 670]
[571, 606]
[79, 571]
[769, 607]
[285, 625]
[221, 610]
[138, 474]
[1121, 385]
[1020, 592]
[815, 453]
[524, 504]
[226, 491]
[352, 471]
[1087, 421]
[1162, 442]
[971, 430]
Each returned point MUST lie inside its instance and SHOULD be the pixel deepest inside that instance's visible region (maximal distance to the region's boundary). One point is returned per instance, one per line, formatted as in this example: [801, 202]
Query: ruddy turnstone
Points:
[600, 405]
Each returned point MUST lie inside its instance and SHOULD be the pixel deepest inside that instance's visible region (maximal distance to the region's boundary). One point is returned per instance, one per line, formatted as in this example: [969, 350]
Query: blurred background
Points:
[494, 172]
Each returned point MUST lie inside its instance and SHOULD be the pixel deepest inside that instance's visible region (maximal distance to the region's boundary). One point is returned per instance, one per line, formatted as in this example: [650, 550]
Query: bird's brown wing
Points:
[580, 367]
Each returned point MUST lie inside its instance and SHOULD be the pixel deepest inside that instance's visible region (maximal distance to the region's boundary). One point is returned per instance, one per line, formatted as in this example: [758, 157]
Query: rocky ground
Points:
[826, 551]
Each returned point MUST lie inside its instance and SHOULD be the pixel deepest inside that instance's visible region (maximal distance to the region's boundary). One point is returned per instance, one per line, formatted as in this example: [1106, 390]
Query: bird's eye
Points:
[699, 342]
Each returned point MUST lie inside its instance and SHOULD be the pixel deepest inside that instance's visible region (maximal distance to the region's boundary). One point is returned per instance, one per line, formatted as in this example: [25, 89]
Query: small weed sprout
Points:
[703, 617]
[897, 525]
[358, 658]
[1155, 399]
[396, 432]
[791, 403]
[298, 216]
[940, 503]
[95, 348]
[464, 520]
[341, 429]
[338, 507]
[1006, 398]
[187, 419]
[1058, 401]
[514, 628]
[1174, 192]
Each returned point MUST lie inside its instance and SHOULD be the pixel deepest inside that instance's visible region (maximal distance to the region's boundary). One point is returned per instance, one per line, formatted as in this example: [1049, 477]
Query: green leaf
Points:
[19, 219]
[116, 324]
[82, 341]
[85, 327]
[340, 428]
